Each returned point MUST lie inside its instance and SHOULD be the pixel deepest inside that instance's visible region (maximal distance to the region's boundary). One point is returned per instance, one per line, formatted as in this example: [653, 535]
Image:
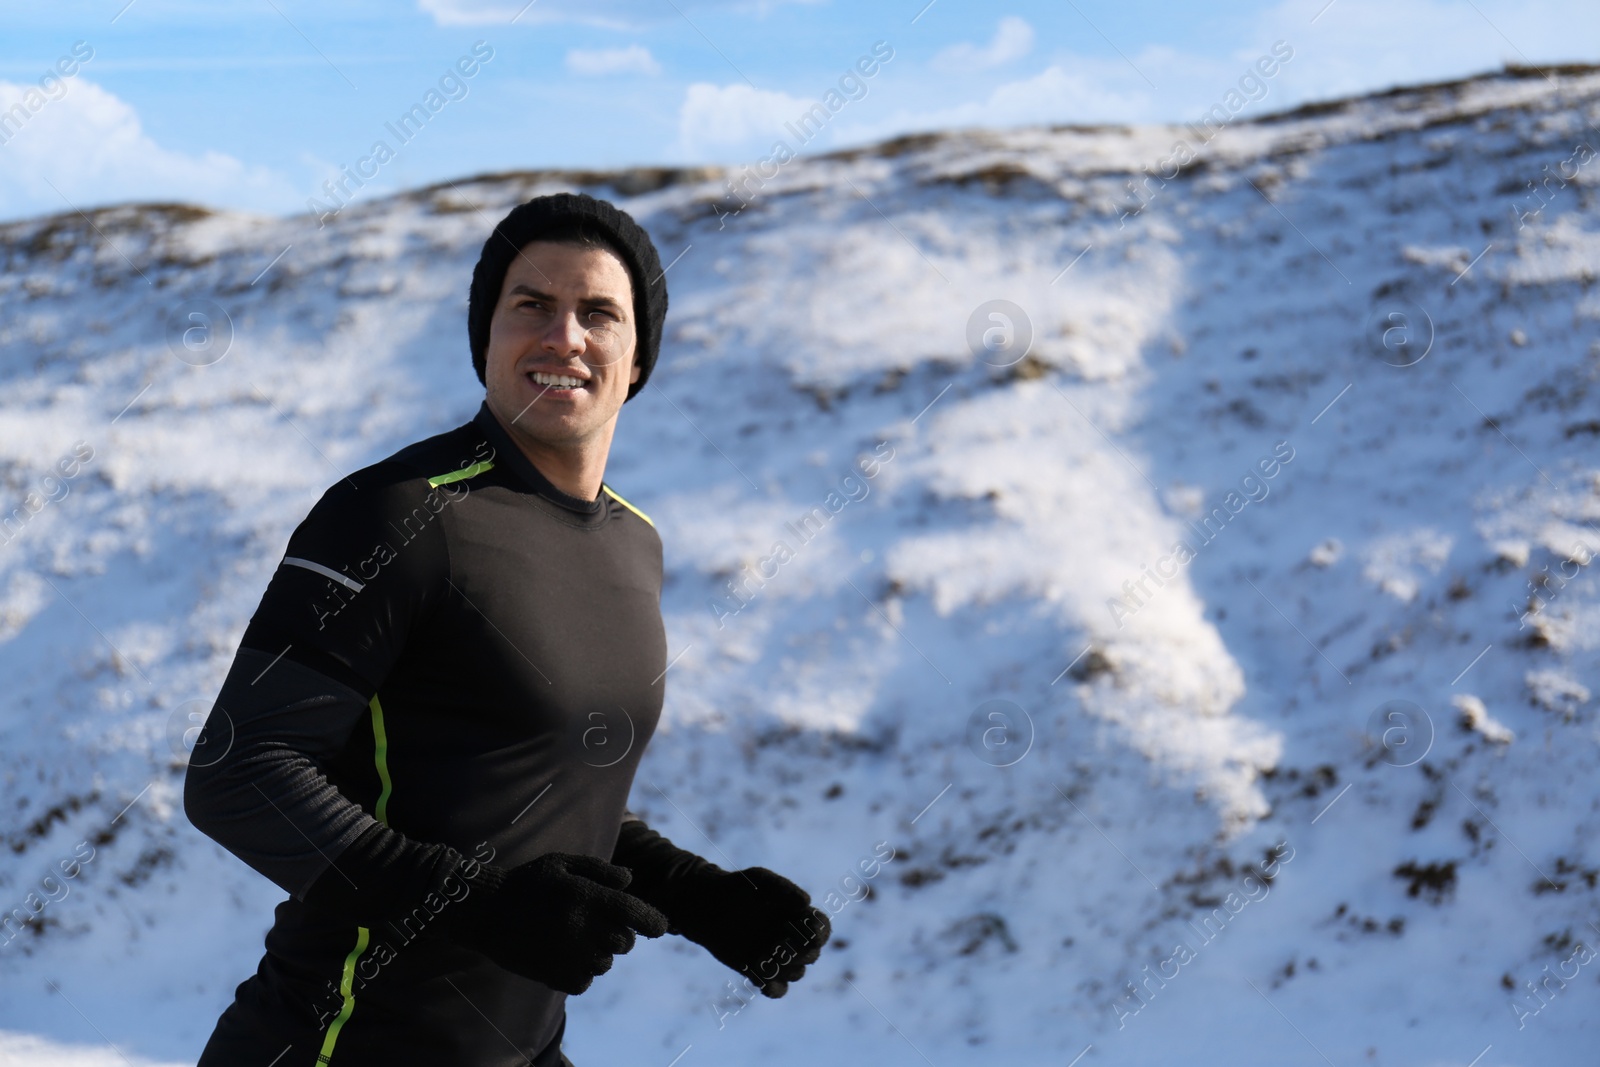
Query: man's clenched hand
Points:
[757, 922]
[557, 919]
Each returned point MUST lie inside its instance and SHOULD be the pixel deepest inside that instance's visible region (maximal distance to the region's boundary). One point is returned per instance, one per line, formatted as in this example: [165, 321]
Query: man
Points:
[429, 732]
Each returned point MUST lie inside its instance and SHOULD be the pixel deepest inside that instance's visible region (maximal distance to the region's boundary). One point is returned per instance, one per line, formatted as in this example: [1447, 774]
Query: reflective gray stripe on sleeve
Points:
[344, 580]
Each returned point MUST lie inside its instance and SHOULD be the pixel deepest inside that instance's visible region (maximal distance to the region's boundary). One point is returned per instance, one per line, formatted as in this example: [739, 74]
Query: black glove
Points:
[755, 921]
[556, 919]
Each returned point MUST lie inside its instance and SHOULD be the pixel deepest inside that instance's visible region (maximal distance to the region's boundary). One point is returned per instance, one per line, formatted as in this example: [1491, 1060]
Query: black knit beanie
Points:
[568, 217]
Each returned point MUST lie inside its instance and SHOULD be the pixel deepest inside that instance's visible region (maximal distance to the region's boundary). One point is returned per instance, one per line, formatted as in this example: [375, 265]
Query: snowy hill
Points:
[1263, 510]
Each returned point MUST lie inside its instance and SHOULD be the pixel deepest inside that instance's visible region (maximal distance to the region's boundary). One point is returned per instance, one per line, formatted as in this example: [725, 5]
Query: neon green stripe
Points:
[462, 474]
[380, 756]
[346, 990]
[625, 504]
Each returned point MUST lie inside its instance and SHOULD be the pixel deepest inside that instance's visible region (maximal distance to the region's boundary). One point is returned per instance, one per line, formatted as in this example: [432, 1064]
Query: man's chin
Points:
[536, 414]
[554, 427]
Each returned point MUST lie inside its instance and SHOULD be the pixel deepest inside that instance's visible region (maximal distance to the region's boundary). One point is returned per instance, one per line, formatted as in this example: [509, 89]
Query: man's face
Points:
[561, 343]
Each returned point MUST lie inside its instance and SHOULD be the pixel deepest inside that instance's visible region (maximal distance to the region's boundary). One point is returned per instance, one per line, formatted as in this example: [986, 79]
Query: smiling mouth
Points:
[557, 383]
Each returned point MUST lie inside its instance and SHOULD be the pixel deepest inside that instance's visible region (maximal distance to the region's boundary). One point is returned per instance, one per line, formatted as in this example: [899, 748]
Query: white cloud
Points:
[617, 14]
[1052, 93]
[1355, 46]
[717, 119]
[1013, 39]
[1087, 89]
[91, 146]
[474, 12]
[635, 59]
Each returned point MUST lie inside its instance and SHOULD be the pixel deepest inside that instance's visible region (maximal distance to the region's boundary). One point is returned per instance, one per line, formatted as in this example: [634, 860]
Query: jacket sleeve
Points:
[360, 575]
[662, 872]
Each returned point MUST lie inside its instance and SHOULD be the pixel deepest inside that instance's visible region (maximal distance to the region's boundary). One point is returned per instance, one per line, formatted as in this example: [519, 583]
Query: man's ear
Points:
[634, 376]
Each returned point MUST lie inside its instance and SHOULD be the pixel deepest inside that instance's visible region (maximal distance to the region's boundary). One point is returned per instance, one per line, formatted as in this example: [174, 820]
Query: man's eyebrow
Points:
[588, 301]
[528, 290]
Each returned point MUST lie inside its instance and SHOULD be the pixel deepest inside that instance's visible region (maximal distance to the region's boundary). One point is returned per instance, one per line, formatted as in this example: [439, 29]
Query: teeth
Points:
[561, 380]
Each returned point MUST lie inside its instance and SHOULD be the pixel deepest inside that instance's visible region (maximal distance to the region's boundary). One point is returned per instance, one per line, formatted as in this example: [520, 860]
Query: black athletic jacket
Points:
[456, 649]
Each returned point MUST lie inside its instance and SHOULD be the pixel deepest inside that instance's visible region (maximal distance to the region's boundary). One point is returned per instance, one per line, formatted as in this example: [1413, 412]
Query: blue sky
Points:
[253, 105]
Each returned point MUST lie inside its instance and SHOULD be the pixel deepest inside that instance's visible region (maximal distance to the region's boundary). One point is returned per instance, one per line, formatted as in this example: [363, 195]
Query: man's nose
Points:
[565, 335]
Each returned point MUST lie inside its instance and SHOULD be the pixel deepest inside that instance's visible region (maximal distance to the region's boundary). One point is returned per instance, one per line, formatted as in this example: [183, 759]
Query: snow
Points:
[1424, 535]
[1474, 716]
